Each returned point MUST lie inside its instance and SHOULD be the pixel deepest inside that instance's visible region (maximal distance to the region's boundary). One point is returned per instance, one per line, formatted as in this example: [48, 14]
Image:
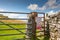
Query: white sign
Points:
[38, 20]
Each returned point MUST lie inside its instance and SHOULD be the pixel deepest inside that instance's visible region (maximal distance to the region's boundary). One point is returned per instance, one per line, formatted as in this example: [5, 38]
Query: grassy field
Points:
[13, 37]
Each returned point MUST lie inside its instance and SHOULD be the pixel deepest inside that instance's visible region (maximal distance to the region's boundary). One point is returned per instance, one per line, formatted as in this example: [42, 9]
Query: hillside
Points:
[10, 21]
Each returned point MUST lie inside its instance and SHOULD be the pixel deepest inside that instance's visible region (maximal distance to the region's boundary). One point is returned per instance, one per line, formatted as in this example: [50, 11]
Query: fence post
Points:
[34, 15]
[31, 29]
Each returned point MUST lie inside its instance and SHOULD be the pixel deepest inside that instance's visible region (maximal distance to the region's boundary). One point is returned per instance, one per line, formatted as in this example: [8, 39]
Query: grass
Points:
[14, 32]
[11, 32]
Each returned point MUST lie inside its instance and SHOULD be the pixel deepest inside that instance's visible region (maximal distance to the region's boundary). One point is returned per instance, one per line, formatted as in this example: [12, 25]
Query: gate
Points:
[21, 31]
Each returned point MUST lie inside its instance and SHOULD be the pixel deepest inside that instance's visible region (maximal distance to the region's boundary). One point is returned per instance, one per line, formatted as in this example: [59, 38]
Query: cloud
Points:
[11, 15]
[52, 12]
[15, 15]
[51, 4]
[33, 7]
[42, 8]
[2, 9]
[36, 7]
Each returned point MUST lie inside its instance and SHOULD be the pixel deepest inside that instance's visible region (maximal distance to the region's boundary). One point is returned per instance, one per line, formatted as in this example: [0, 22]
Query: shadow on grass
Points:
[47, 36]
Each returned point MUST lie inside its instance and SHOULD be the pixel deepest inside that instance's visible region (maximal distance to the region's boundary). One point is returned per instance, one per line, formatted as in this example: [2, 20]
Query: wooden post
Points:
[34, 15]
[31, 31]
[44, 27]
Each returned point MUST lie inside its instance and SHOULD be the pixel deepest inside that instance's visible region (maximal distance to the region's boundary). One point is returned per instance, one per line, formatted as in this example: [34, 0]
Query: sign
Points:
[38, 21]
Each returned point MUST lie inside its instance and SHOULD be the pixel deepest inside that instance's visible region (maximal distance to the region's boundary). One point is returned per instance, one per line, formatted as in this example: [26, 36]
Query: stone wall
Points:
[54, 26]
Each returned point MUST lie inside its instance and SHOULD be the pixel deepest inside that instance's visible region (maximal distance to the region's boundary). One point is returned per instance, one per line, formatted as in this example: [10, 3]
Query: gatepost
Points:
[31, 29]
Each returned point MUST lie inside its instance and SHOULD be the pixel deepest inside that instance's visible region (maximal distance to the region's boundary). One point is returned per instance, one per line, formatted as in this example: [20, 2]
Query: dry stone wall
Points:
[54, 26]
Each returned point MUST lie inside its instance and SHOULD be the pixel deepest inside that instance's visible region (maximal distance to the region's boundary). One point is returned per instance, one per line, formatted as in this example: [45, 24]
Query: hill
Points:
[10, 21]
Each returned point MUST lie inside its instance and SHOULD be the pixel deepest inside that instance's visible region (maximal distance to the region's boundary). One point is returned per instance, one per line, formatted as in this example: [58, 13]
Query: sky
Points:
[45, 6]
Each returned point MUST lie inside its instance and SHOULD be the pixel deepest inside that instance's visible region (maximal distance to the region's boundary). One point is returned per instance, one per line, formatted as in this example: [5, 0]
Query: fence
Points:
[31, 25]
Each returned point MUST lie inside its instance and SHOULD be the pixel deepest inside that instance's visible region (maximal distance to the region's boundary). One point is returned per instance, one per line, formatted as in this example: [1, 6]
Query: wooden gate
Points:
[27, 31]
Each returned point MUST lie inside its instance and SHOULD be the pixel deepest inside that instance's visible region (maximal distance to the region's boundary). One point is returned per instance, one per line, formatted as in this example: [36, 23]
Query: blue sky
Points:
[30, 5]
[23, 5]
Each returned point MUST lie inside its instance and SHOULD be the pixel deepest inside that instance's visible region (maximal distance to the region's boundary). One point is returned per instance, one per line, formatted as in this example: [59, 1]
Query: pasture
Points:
[13, 37]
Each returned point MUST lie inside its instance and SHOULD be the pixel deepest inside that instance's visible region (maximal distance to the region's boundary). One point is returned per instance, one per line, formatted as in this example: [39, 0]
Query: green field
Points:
[13, 37]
